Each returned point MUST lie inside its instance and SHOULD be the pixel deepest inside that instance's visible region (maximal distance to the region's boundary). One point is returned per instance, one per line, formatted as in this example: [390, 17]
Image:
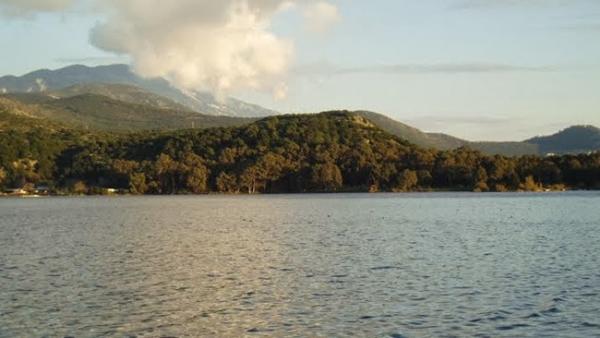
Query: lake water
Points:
[381, 265]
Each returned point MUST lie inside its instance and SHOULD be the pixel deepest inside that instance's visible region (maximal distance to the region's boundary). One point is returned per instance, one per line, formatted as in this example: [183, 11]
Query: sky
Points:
[476, 69]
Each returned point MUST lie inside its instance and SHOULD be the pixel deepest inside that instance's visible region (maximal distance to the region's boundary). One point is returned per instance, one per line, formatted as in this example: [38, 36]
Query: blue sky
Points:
[478, 69]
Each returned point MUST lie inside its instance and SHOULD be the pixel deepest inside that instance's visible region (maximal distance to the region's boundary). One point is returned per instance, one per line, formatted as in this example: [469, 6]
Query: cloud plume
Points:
[219, 46]
[321, 15]
[215, 45]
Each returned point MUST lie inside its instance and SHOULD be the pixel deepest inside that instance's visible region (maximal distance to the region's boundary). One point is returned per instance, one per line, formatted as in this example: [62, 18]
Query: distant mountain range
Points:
[576, 139]
[573, 140]
[99, 112]
[112, 98]
[446, 142]
[92, 78]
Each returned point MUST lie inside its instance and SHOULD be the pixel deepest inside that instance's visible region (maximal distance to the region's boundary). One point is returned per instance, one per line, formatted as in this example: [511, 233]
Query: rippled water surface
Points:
[312, 265]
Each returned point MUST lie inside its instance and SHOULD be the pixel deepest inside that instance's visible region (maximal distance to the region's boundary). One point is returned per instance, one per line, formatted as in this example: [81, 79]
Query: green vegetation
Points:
[113, 98]
[121, 108]
[98, 112]
[327, 152]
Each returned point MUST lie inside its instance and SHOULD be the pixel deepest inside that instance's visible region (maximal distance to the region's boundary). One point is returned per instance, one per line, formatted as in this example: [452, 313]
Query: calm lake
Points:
[381, 265]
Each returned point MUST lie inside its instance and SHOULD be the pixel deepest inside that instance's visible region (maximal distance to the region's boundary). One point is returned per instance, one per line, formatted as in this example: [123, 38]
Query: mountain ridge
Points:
[96, 111]
[446, 142]
[573, 139]
[336, 151]
[38, 90]
[102, 113]
[202, 102]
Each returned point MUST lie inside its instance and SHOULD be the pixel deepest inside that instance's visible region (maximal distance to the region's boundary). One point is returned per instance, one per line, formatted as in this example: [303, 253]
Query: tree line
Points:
[327, 152]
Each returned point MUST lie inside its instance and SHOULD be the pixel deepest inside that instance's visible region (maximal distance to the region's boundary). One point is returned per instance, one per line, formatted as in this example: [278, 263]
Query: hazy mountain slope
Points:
[97, 112]
[29, 98]
[120, 92]
[136, 105]
[576, 139]
[411, 134]
[44, 80]
[15, 116]
[443, 141]
[447, 141]
[93, 111]
[505, 148]
[12, 106]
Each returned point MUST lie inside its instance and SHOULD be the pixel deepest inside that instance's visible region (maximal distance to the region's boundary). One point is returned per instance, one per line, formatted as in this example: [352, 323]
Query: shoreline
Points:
[310, 193]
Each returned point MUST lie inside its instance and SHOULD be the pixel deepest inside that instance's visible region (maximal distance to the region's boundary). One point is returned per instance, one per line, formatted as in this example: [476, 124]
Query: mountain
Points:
[504, 148]
[17, 117]
[120, 92]
[327, 152]
[576, 139]
[411, 134]
[126, 108]
[41, 81]
[98, 112]
[114, 98]
[446, 142]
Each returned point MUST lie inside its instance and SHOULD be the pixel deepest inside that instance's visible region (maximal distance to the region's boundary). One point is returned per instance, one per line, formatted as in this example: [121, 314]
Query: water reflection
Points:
[366, 265]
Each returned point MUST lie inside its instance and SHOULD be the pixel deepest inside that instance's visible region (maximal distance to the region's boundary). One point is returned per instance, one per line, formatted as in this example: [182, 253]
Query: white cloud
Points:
[321, 15]
[221, 46]
[216, 45]
[198, 44]
[280, 92]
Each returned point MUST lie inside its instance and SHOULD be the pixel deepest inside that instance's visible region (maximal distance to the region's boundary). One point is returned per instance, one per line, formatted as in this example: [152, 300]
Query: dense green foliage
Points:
[29, 148]
[328, 152]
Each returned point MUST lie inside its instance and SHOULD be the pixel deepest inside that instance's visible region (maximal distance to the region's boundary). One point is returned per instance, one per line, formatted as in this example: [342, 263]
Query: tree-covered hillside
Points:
[327, 152]
[29, 148]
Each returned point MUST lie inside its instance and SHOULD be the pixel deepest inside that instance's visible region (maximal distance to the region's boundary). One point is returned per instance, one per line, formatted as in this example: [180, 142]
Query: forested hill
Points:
[327, 152]
[128, 108]
[122, 108]
[113, 98]
[576, 139]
